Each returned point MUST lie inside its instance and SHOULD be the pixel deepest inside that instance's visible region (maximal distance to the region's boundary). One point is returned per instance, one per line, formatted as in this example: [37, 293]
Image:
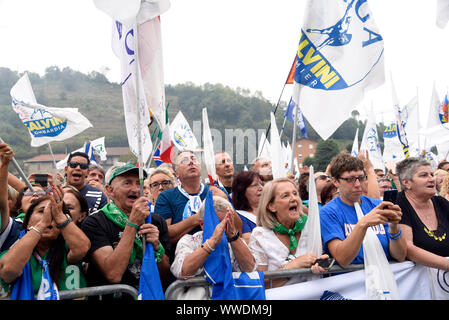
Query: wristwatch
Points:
[235, 237]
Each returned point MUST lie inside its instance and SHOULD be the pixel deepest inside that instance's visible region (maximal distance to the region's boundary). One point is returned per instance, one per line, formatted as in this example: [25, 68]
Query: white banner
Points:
[414, 283]
[340, 55]
[45, 124]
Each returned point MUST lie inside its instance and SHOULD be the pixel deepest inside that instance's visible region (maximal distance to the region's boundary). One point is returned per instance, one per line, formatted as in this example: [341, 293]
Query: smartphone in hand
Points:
[391, 195]
[325, 263]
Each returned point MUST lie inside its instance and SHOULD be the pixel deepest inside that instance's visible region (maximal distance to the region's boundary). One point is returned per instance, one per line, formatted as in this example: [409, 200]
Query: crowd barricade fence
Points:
[200, 281]
[95, 291]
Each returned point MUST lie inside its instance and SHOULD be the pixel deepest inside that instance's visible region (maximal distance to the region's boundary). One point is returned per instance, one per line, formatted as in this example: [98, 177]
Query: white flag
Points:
[393, 151]
[264, 147]
[208, 154]
[181, 134]
[45, 124]
[277, 160]
[355, 144]
[123, 46]
[370, 142]
[99, 147]
[442, 13]
[340, 55]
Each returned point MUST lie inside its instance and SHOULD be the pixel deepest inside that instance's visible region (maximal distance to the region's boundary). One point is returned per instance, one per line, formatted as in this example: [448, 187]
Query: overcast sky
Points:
[240, 43]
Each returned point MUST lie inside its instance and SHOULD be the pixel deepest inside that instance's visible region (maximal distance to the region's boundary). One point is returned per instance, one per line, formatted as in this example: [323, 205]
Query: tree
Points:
[325, 151]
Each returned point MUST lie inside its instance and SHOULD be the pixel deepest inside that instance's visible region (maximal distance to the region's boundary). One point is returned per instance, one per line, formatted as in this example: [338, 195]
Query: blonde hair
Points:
[163, 171]
[445, 187]
[265, 217]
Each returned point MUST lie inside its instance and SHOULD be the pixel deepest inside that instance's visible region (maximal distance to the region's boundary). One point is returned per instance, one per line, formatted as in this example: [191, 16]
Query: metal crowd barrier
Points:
[98, 291]
[200, 281]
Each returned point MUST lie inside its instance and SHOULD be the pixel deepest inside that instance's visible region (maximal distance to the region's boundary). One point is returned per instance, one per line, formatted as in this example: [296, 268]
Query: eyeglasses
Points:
[186, 160]
[353, 179]
[83, 166]
[323, 177]
[37, 192]
[164, 184]
[256, 184]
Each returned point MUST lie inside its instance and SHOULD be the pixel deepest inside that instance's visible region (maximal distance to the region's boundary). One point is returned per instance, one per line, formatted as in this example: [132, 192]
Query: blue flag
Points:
[157, 157]
[227, 285]
[150, 287]
[23, 287]
[299, 118]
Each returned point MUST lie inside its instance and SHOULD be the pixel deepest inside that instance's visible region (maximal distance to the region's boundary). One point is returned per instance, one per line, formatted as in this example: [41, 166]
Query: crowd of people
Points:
[88, 227]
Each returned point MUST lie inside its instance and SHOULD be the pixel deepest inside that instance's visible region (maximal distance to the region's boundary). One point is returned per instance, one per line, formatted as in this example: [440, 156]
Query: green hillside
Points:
[101, 102]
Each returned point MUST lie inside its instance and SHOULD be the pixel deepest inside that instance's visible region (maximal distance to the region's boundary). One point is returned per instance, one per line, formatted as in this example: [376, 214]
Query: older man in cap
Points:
[116, 232]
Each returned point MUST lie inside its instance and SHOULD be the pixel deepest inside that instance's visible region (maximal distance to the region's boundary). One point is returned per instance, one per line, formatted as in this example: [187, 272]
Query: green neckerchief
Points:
[299, 225]
[113, 213]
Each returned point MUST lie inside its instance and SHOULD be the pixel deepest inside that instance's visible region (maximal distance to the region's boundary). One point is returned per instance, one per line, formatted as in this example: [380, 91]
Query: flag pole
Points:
[139, 128]
[16, 165]
[52, 155]
[277, 105]
[283, 127]
[294, 135]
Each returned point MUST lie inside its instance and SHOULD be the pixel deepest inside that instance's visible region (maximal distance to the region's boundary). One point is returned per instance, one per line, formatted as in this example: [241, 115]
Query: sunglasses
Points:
[156, 185]
[323, 177]
[83, 166]
[38, 192]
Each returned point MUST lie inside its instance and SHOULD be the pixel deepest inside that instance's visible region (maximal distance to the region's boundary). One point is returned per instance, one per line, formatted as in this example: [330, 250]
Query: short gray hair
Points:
[407, 168]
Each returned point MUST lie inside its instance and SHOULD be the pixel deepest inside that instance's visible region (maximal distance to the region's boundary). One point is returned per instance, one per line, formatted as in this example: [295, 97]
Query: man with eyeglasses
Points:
[180, 206]
[76, 172]
[225, 171]
[342, 232]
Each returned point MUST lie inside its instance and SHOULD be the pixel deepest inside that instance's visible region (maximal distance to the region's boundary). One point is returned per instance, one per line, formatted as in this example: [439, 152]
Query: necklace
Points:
[433, 234]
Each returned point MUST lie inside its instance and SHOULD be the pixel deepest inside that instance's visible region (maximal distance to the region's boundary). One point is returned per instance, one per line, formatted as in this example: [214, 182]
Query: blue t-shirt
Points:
[171, 203]
[338, 219]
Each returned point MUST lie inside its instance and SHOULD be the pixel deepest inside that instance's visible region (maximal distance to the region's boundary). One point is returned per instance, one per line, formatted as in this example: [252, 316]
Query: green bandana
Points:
[299, 225]
[113, 213]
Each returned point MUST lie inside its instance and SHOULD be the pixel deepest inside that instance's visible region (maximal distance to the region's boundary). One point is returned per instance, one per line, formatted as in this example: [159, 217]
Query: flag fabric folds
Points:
[150, 287]
[181, 134]
[442, 16]
[301, 123]
[89, 148]
[277, 164]
[355, 144]
[218, 267]
[401, 120]
[370, 142]
[208, 154]
[340, 55]
[45, 124]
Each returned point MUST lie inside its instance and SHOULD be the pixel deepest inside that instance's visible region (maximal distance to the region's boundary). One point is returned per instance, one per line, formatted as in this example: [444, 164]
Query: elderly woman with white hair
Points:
[276, 242]
[425, 218]
[191, 252]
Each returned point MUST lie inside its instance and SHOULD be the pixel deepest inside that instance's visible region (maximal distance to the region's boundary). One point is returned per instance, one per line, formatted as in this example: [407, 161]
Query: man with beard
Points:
[116, 233]
[76, 172]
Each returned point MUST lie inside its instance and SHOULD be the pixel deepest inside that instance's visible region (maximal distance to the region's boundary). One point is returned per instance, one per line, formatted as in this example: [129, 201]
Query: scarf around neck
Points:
[119, 218]
[299, 225]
